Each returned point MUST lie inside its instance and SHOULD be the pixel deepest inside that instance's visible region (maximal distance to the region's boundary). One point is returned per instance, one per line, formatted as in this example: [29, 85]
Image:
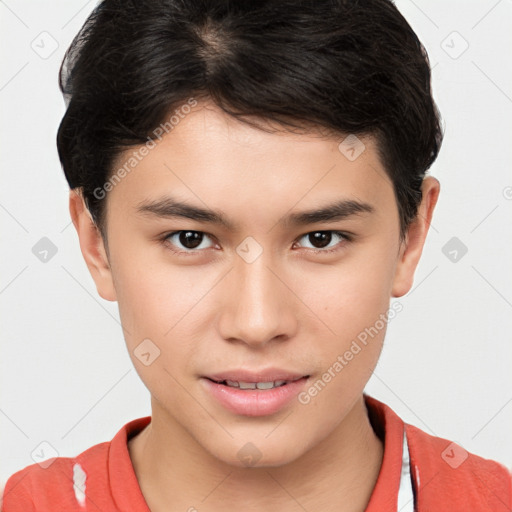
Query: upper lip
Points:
[267, 375]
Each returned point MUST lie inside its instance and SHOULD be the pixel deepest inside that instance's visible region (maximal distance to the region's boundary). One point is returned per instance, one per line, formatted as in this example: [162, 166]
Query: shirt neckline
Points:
[127, 494]
[391, 430]
[124, 486]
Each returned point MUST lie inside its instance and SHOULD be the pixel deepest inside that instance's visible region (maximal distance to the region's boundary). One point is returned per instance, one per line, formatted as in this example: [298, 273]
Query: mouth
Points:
[244, 385]
[254, 395]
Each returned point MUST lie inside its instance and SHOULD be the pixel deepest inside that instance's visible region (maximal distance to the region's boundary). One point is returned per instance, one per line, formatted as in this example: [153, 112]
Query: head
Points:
[248, 182]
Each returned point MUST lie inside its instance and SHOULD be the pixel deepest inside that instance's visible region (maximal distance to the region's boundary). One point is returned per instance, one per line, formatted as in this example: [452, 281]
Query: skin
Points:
[291, 308]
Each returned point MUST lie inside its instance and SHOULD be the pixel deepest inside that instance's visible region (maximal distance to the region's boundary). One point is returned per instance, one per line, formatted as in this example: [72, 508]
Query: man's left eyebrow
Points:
[330, 213]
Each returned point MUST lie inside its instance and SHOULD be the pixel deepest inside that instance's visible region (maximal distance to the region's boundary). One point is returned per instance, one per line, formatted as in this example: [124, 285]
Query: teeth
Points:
[247, 385]
[265, 385]
[255, 385]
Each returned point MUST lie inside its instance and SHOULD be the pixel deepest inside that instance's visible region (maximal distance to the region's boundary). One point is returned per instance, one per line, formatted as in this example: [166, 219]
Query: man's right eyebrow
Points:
[168, 207]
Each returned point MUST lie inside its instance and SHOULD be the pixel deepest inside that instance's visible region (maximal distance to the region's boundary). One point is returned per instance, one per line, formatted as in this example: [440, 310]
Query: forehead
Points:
[212, 159]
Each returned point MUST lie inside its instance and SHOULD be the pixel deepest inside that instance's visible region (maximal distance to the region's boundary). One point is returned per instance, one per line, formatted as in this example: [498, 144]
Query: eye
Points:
[193, 241]
[322, 239]
[189, 240]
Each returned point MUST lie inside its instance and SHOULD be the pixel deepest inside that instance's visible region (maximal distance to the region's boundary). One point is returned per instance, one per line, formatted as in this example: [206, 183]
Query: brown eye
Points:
[325, 241]
[320, 239]
[188, 240]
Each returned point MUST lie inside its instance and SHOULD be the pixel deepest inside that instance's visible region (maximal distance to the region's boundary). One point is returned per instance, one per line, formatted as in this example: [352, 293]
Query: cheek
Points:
[151, 305]
[152, 292]
[149, 298]
[165, 304]
[353, 306]
[351, 296]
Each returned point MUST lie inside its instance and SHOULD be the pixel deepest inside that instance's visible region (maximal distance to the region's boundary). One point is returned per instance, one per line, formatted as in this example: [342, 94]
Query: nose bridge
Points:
[258, 310]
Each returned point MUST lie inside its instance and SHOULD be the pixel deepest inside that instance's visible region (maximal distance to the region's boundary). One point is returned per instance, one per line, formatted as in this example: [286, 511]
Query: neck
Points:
[338, 474]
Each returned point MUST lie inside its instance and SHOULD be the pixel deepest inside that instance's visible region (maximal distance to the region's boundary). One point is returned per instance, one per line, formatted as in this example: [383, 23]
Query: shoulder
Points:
[444, 472]
[56, 480]
[85, 482]
[444, 475]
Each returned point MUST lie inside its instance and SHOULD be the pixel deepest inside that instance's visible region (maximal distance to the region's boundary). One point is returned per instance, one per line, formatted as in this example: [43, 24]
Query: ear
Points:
[412, 247]
[92, 246]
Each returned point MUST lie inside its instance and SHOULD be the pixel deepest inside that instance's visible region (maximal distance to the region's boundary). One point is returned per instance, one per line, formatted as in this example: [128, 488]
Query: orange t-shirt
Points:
[444, 477]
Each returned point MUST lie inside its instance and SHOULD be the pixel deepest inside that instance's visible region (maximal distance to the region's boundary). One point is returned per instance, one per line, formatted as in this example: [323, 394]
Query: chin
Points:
[257, 454]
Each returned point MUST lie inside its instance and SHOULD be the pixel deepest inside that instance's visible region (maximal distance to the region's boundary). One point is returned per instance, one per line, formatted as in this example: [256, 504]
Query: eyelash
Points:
[345, 236]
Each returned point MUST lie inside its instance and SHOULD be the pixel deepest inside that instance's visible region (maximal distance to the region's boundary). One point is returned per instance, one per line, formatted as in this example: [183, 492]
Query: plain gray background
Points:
[446, 366]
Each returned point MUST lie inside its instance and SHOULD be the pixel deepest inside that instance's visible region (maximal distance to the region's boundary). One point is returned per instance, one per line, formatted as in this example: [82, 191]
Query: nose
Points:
[259, 306]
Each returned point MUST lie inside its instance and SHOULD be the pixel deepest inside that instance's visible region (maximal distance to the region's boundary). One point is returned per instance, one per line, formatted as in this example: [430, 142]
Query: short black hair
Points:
[348, 66]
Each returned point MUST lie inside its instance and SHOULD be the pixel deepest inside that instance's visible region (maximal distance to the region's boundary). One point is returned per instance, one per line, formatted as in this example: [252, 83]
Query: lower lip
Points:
[255, 402]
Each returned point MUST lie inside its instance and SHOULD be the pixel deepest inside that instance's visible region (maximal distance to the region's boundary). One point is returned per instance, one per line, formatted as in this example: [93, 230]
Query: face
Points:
[252, 283]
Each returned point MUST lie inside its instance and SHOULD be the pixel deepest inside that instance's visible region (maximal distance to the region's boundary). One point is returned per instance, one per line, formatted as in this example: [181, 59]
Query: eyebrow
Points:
[168, 207]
